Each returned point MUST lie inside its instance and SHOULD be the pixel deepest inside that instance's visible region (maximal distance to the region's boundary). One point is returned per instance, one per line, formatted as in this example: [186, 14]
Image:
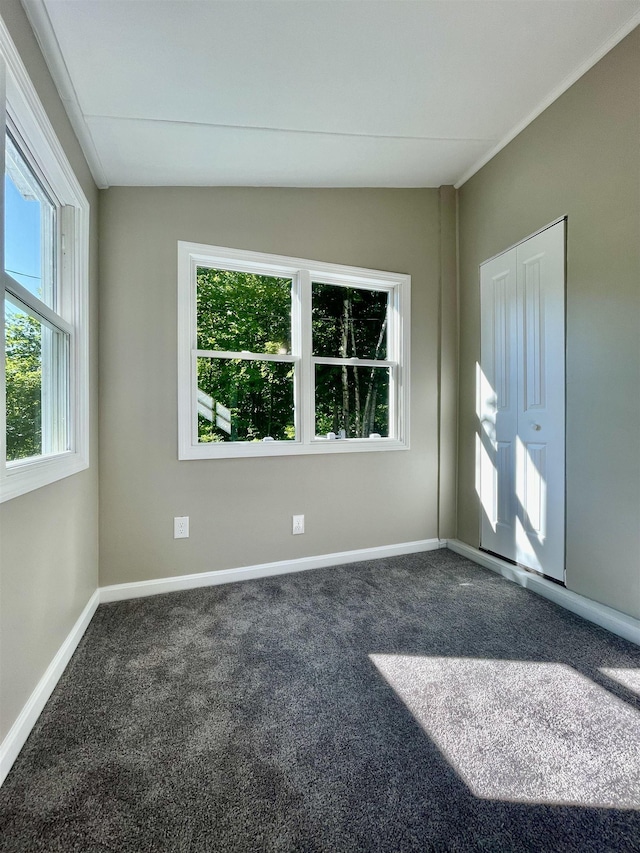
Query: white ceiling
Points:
[312, 92]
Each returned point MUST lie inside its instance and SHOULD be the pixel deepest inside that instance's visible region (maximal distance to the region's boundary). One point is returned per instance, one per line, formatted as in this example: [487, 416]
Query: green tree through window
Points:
[243, 312]
[23, 378]
[350, 322]
[281, 355]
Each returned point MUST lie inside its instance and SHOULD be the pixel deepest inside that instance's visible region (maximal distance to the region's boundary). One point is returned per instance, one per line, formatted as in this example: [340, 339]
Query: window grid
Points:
[302, 274]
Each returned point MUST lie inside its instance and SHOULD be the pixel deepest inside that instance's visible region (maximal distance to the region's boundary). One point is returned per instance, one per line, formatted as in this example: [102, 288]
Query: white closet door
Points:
[521, 403]
[497, 403]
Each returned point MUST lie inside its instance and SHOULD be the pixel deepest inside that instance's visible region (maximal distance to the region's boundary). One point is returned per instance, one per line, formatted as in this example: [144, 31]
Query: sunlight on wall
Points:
[500, 725]
[486, 474]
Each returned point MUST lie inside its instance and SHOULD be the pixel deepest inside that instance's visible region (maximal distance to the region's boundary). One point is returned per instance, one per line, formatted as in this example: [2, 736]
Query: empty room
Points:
[320, 426]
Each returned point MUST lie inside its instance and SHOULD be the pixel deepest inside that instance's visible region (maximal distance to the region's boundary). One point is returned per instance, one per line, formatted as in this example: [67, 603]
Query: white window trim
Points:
[20, 99]
[302, 271]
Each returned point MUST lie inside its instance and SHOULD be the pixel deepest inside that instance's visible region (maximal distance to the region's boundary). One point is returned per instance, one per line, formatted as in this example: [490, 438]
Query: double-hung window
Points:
[281, 355]
[43, 400]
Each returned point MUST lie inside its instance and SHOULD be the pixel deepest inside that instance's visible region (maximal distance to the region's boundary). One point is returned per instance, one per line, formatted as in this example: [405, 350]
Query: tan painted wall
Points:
[581, 157]
[240, 509]
[48, 538]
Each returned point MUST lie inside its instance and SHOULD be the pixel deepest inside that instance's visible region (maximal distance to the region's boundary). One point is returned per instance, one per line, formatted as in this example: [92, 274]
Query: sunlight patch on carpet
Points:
[629, 678]
[499, 725]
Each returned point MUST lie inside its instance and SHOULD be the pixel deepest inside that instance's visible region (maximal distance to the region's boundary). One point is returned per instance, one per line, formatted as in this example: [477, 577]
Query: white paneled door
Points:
[521, 403]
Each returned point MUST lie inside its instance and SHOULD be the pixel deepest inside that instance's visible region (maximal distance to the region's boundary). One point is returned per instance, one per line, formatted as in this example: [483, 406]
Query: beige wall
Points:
[48, 538]
[581, 158]
[240, 509]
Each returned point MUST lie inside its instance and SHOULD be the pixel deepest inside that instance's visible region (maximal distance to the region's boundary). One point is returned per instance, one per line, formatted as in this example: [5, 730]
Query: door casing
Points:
[521, 403]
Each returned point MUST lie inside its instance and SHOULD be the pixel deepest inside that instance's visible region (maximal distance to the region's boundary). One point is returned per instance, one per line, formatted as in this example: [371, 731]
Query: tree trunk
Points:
[370, 402]
[345, 372]
[356, 380]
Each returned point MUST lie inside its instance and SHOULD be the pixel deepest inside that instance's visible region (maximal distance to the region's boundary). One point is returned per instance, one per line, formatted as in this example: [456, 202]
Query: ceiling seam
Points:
[268, 129]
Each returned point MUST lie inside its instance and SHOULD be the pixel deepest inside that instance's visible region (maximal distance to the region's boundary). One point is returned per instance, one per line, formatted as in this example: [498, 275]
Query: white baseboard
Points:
[21, 729]
[122, 591]
[613, 620]
[19, 732]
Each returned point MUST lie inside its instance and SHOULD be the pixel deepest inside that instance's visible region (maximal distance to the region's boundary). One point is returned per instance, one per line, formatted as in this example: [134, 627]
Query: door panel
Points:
[498, 403]
[522, 426]
[534, 489]
[533, 328]
[541, 401]
[504, 485]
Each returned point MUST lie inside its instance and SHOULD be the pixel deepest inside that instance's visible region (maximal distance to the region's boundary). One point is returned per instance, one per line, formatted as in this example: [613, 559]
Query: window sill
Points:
[227, 450]
[27, 476]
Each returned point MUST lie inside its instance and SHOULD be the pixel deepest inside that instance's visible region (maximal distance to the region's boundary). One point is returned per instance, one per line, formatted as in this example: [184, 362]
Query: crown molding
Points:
[44, 32]
[559, 90]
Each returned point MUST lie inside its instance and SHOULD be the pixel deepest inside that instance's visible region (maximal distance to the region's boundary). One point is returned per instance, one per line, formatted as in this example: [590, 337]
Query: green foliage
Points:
[349, 322]
[351, 398]
[240, 311]
[259, 395]
[23, 371]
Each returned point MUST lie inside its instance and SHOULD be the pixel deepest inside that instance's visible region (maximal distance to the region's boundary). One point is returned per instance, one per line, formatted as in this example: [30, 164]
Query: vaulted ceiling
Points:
[309, 92]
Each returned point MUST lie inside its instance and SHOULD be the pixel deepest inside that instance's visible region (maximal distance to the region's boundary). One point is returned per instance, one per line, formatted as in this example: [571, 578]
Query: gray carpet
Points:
[418, 703]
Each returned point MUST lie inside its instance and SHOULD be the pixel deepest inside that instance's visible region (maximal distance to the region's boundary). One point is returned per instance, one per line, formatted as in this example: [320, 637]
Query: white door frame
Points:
[505, 426]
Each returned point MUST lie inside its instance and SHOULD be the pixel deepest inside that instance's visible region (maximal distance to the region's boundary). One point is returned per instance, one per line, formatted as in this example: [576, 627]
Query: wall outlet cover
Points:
[181, 527]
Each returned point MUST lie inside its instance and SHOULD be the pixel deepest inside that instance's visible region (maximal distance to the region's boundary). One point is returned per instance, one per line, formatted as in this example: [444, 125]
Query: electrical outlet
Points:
[181, 527]
[298, 524]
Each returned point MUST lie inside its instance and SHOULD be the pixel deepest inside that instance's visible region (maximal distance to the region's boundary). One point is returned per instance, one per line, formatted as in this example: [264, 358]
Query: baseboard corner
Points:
[21, 729]
[612, 620]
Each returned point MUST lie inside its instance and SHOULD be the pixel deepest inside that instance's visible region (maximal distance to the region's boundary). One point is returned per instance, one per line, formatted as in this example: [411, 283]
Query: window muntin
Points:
[354, 383]
[317, 358]
[241, 396]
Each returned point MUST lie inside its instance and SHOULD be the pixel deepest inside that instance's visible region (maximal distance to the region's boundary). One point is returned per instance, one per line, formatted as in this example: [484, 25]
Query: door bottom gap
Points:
[520, 566]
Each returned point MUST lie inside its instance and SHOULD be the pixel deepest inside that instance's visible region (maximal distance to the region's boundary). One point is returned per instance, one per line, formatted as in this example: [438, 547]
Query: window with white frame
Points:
[44, 376]
[279, 355]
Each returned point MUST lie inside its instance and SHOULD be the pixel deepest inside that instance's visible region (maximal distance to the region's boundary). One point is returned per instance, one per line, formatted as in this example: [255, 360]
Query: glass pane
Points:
[29, 228]
[37, 369]
[242, 400]
[240, 311]
[348, 322]
[353, 399]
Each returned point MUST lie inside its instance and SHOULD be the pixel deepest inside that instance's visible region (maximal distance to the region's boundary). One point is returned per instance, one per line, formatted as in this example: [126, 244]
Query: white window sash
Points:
[303, 275]
[37, 141]
[247, 356]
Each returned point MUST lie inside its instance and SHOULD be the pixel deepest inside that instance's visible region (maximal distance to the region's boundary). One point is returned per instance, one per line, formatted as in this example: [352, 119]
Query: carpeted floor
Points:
[418, 703]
